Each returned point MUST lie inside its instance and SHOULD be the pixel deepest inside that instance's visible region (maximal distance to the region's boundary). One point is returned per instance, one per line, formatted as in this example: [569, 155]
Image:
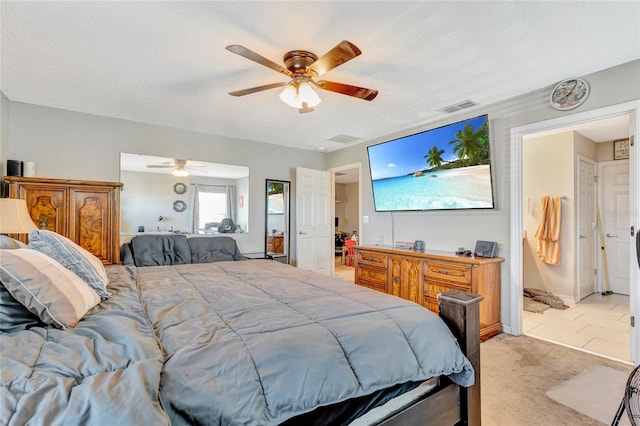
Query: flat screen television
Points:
[446, 168]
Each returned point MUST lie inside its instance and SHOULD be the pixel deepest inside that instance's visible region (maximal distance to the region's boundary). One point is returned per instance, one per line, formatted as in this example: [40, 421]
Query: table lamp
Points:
[14, 217]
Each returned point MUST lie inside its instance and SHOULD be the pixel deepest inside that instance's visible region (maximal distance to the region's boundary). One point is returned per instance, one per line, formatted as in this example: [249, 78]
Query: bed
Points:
[239, 342]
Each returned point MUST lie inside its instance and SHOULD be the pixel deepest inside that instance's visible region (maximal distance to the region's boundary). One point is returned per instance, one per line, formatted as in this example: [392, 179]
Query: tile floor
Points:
[344, 272]
[598, 324]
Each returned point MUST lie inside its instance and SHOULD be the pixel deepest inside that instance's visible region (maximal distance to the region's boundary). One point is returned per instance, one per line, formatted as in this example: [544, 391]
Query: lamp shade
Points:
[299, 93]
[14, 217]
[180, 171]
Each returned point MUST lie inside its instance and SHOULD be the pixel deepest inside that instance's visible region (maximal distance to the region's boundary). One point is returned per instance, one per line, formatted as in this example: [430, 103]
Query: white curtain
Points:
[195, 209]
[231, 202]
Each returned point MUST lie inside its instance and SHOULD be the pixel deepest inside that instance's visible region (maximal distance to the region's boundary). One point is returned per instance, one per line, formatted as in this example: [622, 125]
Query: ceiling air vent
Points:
[467, 103]
[342, 138]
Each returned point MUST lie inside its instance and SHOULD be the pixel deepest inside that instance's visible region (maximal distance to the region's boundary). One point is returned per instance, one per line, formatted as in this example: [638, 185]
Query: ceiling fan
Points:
[302, 67]
[180, 167]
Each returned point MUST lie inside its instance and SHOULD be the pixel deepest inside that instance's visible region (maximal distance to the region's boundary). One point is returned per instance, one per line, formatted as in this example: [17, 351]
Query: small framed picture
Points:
[621, 149]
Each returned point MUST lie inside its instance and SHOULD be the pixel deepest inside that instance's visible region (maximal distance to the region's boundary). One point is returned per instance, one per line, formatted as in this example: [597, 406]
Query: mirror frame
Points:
[286, 214]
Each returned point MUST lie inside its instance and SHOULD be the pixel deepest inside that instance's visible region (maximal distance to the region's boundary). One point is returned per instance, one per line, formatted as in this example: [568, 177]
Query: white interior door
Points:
[314, 223]
[586, 227]
[614, 210]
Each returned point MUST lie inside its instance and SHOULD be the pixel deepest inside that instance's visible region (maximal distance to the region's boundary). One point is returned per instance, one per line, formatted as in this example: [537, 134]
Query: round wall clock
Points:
[179, 206]
[179, 188]
[569, 94]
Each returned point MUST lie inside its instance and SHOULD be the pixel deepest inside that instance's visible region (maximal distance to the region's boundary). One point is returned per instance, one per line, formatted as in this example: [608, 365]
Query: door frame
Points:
[333, 171]
[516, 251]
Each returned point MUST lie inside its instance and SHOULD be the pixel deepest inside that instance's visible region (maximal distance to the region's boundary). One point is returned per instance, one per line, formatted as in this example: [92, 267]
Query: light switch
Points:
[365, 219]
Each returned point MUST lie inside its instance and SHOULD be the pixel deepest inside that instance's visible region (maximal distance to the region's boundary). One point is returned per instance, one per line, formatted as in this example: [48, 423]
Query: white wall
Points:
[448, 230]
[347, 207]
[547, 169]
[4, 132]
[71, 145]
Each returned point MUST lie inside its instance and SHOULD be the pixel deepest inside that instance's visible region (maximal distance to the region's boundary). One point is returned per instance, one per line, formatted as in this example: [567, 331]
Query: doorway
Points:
[347, 213]
[617, 303]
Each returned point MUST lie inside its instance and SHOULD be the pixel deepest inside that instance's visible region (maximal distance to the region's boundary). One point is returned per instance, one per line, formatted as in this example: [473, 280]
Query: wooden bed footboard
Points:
[451, 404]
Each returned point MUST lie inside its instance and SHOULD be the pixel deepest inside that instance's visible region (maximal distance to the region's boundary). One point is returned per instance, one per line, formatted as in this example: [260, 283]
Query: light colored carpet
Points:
[516, 373]
[597, 393]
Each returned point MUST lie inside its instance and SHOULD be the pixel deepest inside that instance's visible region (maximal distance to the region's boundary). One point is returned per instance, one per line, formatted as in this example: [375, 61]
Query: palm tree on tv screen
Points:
[472, 147]
[434, 157]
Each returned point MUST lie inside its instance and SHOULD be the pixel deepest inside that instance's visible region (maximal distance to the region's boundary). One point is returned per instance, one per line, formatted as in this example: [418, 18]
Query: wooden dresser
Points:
[86, 212]
[275, 243]
[421, 276]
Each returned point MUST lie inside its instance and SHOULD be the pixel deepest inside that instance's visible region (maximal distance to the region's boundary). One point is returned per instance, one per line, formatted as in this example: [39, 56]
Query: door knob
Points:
[612, 236]
[304, 233]
[583, 237]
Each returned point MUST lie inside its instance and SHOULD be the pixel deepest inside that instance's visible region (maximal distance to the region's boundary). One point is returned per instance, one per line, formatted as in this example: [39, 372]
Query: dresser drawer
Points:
[431, 304]
[373, 259]
[433, 289]
[456, 273]
[376, 276]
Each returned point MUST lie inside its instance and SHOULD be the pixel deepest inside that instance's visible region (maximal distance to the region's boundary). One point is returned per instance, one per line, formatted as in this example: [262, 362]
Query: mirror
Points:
[277, 220]
[164, 195]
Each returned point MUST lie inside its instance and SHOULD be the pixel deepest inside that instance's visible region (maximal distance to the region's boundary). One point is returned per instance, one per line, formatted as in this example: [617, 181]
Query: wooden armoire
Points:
[86, 212]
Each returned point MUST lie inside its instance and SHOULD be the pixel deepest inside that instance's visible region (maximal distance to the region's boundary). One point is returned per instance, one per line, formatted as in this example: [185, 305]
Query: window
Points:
[213, 203]
[212, 207]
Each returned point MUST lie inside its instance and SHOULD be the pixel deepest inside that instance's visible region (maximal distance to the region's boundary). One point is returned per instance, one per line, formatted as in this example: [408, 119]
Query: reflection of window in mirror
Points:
[276, 198]
[214, 192]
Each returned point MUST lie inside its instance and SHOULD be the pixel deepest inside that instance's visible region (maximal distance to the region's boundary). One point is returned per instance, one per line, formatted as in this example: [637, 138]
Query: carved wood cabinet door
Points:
[405, 275]
[47, 207]
[90, 221]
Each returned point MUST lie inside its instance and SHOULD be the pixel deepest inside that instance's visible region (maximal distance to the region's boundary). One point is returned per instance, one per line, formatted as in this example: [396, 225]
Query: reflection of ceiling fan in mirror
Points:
[302, 67]
[180, 167]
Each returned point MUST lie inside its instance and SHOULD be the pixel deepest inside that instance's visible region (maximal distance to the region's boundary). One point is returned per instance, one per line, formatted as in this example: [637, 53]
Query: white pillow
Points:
[73, 257]
[47, 289]
[8, 243]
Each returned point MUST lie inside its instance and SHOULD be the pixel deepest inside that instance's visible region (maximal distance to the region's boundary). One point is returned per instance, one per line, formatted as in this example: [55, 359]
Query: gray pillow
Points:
[13, 315]
[47, 289]
[214, 249]
[158, 250]
[10, 243]
[73, 257]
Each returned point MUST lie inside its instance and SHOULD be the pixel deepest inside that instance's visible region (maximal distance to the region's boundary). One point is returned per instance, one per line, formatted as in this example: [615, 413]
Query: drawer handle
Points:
[370, 259]
[445, 272]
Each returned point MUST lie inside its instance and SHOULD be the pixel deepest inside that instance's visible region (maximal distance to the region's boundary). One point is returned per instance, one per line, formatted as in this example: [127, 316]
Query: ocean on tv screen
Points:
[460, 188]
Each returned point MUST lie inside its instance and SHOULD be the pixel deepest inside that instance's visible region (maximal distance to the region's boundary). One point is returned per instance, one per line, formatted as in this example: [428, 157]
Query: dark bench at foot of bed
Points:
[451, 404]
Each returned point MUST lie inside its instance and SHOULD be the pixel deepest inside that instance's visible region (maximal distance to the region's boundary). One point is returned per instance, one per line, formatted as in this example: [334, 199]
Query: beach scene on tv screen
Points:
[439, 169]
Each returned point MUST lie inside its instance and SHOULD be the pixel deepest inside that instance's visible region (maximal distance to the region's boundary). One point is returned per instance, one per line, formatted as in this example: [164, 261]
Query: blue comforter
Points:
[253, 342]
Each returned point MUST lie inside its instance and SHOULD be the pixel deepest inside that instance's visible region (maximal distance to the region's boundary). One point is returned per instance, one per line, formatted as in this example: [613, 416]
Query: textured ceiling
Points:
[165, 62]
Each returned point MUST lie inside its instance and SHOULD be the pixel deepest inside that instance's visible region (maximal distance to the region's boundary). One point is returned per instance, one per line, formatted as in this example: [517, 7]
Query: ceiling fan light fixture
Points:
[299, 93]
[180, 172]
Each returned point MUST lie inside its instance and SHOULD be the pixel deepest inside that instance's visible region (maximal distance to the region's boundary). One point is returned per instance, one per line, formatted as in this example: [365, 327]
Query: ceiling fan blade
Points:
[346, 89]
[159, 166]
[257, 89]
[253, 56]
[341, 53]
